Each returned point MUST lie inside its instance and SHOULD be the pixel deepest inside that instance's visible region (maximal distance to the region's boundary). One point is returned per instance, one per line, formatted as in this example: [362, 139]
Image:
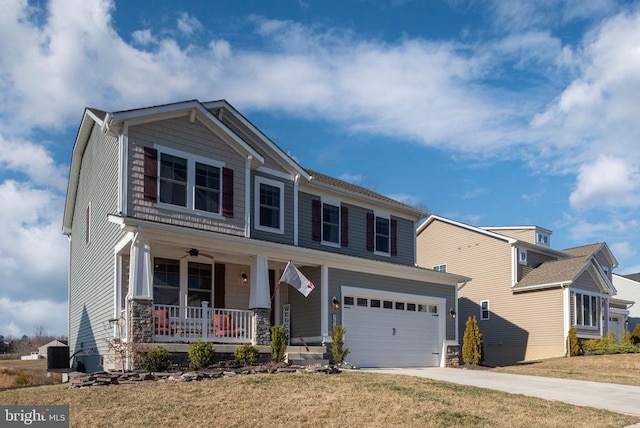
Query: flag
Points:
[296, 279]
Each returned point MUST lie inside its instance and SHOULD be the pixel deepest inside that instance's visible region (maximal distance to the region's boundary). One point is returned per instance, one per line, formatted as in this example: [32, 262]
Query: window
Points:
[522, 256]
[400, 306]
[207, 189]
[269, 203]
[542, 238]
[606, 271]
[173, 180]
[199, 284]
[166, 281]
[348, 300]
[375, 303]
[440, 268]
[382, 235]
[587, 310]
[387, 304]
[484, 310]
[330, 223]
[187, 181]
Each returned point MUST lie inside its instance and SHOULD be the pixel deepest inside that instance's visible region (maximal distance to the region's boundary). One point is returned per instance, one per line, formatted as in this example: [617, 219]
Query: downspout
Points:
[296, 183]
[123, 141]
[247, 195]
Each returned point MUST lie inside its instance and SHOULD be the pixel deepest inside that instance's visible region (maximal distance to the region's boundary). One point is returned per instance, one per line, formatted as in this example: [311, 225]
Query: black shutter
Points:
[316, 220]
[150, 174]
[218, 285]
[370, 231]
[227, 192]
[394, 237]
[344, 226]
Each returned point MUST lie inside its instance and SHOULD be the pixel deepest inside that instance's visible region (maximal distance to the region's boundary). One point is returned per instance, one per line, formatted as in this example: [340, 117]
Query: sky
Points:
[484, 111]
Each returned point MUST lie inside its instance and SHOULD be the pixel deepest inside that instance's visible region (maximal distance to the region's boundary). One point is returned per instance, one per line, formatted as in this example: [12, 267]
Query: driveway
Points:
[617, 398]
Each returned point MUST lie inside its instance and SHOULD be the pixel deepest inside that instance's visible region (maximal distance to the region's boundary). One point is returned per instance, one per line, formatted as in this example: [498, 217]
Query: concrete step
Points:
[305, 356]
[306, 362]
[304, 349]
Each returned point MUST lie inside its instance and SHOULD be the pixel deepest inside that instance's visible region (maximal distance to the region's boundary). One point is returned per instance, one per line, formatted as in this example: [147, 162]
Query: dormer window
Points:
[522, 256]
[542, 239]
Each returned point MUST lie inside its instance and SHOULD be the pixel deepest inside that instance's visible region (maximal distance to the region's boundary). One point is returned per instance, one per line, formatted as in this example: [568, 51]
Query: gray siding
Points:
[339, 278]
[287, 237]
[357, 233]
[194, 138]
[91, 276]
[305, 311]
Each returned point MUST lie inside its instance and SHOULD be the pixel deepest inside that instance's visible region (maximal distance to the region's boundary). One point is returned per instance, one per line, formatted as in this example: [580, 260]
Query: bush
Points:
[157, 359]
[337, 344]
[201, 355]
[572, 339]
[472, 345]
[278, 345]
[246, 354]
[608, 349]
[22, 380]
[635, 335]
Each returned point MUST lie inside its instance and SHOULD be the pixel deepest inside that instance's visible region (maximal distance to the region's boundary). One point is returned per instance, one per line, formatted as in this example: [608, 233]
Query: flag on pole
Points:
[296, 279]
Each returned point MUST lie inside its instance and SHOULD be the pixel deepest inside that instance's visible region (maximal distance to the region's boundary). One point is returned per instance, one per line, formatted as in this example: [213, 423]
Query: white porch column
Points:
[140, 270]
[259, 295]
[324, 302]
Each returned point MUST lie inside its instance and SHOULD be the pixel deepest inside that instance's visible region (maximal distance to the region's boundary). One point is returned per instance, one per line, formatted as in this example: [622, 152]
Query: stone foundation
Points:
[140, 321]
[453, 356]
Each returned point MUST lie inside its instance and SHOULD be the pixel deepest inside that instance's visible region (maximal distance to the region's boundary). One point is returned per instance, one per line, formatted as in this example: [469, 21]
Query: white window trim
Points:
[598, 315]
[482, 310]
[520, 252]
[386, 216]
[335, 203]
[256, 204]
[191, 181]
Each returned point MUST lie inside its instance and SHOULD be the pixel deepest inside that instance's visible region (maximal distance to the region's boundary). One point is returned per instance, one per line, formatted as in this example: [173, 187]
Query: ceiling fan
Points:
[194, 252]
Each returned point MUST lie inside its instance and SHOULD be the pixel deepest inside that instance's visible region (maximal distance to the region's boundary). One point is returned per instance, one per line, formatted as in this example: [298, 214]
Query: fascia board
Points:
[434, 217]
[373, 203]
[170, 111]
[287, 159]
[190, 238]
[79, 146]
[542, 286]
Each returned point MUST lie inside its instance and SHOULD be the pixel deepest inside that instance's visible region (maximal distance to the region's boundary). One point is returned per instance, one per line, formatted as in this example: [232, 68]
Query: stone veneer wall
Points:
[140, 321]
[453, 356]
[262, 326]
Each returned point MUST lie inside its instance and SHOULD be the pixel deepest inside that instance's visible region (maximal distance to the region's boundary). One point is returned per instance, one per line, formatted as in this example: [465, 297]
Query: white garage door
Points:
[392, 331]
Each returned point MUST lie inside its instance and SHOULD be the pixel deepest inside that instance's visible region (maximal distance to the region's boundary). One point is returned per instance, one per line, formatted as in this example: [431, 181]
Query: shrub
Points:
[572, 340]
[278, 344]
[635, 335]
[22, 380]
[337, 344]
[472, 345]
[201, 355]
[246, 354]
[157, 359]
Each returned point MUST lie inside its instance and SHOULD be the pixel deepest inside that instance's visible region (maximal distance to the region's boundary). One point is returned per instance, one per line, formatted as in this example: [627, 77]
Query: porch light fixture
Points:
[452, 313]
[335, 302]
[244, 278]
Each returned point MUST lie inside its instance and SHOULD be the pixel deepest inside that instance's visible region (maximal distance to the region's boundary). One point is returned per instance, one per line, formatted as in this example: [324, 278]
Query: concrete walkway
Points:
[617, 398]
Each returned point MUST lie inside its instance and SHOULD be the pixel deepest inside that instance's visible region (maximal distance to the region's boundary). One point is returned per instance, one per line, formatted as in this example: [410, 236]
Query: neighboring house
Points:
[182, 217]
[628, 287]
[525, 295]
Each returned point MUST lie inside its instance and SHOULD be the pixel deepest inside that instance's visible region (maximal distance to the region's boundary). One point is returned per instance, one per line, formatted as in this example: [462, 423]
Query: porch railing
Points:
[186, 324]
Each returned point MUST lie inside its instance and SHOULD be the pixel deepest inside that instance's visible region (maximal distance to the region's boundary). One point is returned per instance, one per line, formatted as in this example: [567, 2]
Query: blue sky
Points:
[485, 111]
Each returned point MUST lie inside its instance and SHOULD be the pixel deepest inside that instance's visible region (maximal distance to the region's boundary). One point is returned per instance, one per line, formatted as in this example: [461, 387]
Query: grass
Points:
[347, 399]
[25, 373]
[619, 368]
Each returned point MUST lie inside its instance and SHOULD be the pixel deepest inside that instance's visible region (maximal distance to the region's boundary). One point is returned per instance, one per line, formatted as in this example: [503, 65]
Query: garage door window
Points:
[375, 303]
[400, 306]
[411, 307]
[387, 304]
[362, 302]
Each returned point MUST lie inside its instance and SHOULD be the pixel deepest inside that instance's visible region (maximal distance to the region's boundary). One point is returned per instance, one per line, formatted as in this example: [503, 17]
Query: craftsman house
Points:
[182, 217]
[525, 295]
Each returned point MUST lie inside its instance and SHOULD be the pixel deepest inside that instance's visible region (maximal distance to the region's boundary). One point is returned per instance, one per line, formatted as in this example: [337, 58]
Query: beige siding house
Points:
[525, 295]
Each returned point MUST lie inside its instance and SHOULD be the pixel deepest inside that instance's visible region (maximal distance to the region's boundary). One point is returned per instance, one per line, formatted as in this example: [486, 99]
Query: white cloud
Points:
[188, 24]
[143, 37]
[26, 316]
[622, 250]
[34, 161]
[609, 181]
[582, 230]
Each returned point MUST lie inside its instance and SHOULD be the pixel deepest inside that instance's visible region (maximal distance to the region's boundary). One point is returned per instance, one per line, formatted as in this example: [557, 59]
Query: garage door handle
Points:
[394, 331]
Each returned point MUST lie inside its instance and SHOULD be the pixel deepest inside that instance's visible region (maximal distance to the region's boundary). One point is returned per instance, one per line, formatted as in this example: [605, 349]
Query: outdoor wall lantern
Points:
[335, 302]
[244, 278]
[452, 313]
